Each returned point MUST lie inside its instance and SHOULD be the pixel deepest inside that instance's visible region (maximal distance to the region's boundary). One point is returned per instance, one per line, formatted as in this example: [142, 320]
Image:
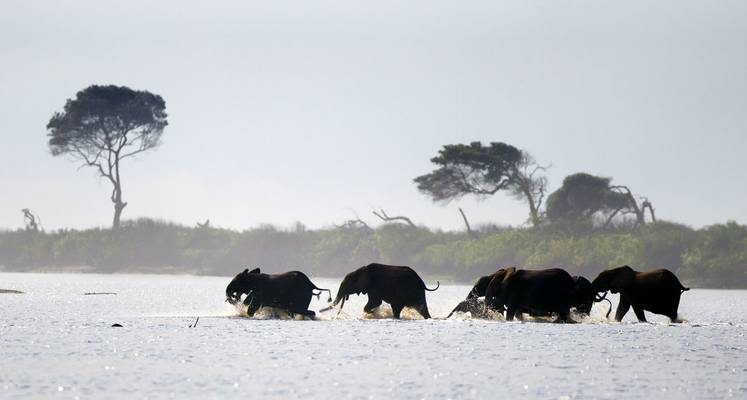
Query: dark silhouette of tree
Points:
[583, 196]
[33, 222]
[105, 125]
[484, 171]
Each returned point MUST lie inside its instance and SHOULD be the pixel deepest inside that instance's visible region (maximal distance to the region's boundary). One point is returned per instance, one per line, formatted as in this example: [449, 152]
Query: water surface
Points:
[57, 343]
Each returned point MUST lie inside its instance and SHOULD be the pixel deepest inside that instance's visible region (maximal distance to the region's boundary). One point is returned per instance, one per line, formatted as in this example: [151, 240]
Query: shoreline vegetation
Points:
[711, 257]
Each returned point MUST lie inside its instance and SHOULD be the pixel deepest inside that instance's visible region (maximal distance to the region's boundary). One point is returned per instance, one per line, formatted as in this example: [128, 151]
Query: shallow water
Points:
[56, 342]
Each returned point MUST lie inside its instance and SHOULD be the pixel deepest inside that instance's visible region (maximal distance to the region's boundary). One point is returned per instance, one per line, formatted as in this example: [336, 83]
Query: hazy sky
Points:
[310, 111]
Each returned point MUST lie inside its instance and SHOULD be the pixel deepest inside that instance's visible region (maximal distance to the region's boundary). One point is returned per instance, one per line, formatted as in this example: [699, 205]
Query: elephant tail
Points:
[438, 285]
[329, 293]
[684, 289]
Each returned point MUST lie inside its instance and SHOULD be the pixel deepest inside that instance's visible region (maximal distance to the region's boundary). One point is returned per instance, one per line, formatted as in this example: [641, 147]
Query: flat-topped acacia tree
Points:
[105, 125]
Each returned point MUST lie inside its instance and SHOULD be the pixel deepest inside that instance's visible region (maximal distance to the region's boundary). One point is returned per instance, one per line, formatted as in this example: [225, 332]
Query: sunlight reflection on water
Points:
[58, 343]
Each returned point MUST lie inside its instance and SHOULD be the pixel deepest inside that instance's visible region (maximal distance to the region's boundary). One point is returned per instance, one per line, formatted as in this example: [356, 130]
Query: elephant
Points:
[475, 306]
[291, 291]
[537, 292]
[472, 303]
[400, 286]
[656, 291]
[583, 295]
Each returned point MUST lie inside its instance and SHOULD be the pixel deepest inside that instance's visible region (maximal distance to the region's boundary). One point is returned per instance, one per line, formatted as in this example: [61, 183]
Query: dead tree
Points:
[355, 224]
[33, 222]
[632, 207]
[386, 218]
[647, 205]
[466, 223]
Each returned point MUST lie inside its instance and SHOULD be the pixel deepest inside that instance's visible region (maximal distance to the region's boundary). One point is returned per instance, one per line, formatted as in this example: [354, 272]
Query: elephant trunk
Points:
[341, 305]
[231, 297]
[607, 316]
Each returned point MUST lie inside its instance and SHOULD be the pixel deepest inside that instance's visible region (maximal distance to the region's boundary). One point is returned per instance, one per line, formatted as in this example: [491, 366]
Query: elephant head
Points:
[480, 287]
[614, 280]
[243, 283]
[356, 282]
[495, 292]
[583, 295]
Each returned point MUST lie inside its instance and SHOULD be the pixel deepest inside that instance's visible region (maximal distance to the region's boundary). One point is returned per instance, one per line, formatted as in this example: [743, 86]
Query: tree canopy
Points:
[483, 171]
[104, 125]
[582, 196]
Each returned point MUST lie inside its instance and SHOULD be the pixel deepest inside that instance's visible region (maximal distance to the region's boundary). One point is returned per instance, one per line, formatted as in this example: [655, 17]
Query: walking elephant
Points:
[397, 285]
[537, 292]
[656, 291]
[473, 304]
[291, 291]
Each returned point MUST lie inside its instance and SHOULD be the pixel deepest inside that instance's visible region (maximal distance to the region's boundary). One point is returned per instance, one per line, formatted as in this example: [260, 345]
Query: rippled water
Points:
[56, 342]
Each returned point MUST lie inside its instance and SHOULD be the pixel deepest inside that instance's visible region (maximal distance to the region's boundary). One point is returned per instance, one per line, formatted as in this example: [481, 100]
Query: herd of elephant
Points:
[547, 292]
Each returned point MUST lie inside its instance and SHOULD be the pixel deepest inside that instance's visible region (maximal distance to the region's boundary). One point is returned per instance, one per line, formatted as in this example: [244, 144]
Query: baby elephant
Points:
[473, 304]
[291, 291]
[398, 286]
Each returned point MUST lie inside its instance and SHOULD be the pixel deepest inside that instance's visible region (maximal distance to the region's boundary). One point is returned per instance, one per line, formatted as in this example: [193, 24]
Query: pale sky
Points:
[312, 111]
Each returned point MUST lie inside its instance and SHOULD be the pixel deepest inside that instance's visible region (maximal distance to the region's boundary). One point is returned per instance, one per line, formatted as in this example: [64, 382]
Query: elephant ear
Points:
[623, 278]
[481, 287]
[254, 271]
[507, 278]
[363, 281]
[492, 291]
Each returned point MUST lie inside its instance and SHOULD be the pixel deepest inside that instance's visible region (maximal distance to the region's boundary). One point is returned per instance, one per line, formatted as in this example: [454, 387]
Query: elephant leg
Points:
[253, 308]
[510, 313]
[675, 306]
[396, 310]
[622, 308]
[423, 310]
[373, 302]
[638, 310]
[564, 316]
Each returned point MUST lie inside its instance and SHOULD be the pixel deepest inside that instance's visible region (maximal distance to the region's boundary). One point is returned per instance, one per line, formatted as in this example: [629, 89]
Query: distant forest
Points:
[713, 257]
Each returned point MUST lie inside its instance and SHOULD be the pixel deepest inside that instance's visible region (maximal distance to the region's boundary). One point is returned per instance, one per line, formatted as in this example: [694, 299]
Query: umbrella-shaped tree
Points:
[105, 125]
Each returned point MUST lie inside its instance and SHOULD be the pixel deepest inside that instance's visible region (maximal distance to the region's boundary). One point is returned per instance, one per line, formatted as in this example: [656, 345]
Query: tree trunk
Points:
[119, 205]
[466, 223]
[647, 204]
[533, 209]
[640, 216]
[533, 212]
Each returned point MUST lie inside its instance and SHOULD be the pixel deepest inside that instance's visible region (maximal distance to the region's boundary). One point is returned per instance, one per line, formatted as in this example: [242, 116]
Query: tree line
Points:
[715, 256]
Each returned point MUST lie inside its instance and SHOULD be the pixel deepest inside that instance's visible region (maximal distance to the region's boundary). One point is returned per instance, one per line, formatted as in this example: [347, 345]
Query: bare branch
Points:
[383, 216]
